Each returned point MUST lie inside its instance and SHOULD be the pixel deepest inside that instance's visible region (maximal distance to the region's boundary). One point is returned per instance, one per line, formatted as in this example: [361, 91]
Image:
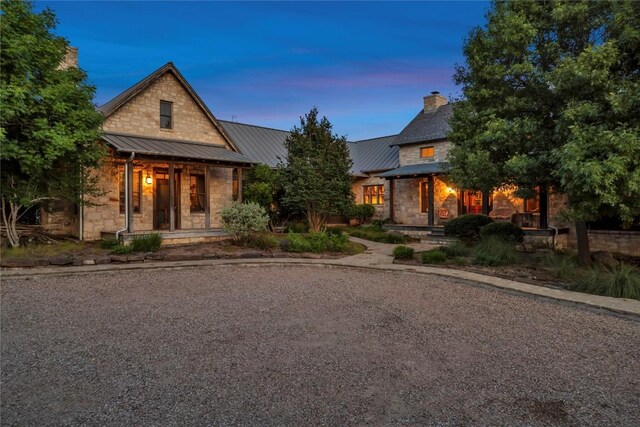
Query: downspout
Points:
[127, 165]
[555, 236]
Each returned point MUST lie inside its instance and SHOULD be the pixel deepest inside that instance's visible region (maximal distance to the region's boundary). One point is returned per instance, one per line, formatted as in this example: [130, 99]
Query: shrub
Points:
[335, 231]
[378, 223]
[466, 227]
[263, 241]
[456, 249]
[315, 242]
[122, 250]
[146, 242]
[241, 220]
[109, 243]
[621, 281]
[504, 231]
[337, 243]
[362, 213]
[403, 252]
[495, 252]
[298, 227]
[394, 238]
[434, 256]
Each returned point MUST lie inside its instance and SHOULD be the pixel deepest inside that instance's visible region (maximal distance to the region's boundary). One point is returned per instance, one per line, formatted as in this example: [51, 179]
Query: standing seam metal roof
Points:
[261, 144]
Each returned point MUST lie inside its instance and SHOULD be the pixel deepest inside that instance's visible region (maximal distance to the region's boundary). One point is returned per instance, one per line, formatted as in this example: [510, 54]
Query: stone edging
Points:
[615, 305]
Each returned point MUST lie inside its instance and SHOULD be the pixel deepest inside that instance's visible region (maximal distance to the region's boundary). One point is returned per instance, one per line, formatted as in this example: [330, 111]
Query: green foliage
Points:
[403, 252]
[263, 241]
[241, 220]
[466, 227]
[317, 171]
[504, 231]
[621, 281]
[336, 231]
[495, 252]
[362, 213]
[456, 249]
[49, 125]
[146, 242]
[316, 242]
[434, 256]
[376, 234]
[378, 223]
[109, 243]
[122, 250]
[562, 266]
[298, 227]
[264, 187]
[552, 99]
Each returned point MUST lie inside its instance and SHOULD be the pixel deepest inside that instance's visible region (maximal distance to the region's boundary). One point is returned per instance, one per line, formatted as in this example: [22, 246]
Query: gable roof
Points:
[114, 104]
[260, 144]
[424, 127]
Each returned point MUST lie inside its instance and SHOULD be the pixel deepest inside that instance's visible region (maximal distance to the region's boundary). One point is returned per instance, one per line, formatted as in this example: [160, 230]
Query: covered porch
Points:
[176, 188]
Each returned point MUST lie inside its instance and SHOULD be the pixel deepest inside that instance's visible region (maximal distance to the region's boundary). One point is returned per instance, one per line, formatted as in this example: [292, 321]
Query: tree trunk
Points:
[10, 220]
[582, 237]
[315, 220]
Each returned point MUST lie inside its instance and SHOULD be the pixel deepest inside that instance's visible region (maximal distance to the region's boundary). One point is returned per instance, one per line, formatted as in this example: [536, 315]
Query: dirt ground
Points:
[305, 345]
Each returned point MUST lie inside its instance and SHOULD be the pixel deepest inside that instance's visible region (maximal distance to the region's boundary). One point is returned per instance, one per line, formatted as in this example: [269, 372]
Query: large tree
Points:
[552, 100]
[317, 172]
[49, 125]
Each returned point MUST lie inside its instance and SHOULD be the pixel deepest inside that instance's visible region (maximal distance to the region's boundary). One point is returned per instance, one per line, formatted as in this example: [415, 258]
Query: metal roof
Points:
[114, 104]
[260, 144]
[416, 170]
[187, 150]
[375, 154]
[425, 127]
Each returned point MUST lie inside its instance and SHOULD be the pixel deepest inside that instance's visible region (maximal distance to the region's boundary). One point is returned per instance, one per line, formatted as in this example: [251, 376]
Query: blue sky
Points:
[365, 65]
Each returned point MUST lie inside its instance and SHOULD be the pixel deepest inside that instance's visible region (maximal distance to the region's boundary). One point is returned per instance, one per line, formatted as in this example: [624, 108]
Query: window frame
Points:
[433, 152]
[424, 197]
[122, 195]
[373, 194]
[202, 195]
[170, 116]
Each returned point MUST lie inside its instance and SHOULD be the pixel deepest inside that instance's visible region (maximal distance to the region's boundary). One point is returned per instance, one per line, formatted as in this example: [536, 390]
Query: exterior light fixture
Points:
[148, 179]
[450, 190]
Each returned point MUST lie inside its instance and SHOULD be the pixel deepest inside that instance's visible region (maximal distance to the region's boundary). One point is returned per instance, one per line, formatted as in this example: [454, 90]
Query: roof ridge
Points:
[253, 126]
[377, 137]
[180, 141]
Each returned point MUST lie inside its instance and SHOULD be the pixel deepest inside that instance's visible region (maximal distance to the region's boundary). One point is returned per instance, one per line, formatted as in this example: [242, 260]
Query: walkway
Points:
[377, 256]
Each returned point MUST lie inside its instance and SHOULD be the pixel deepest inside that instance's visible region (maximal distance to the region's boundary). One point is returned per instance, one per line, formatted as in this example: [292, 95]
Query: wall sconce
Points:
[450, 190]
[148, 179]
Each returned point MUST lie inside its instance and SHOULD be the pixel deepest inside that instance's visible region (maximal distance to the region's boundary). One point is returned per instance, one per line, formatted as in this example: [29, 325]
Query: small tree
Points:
[552, 99]
[317, 173]
[264, 187]
[49, 125]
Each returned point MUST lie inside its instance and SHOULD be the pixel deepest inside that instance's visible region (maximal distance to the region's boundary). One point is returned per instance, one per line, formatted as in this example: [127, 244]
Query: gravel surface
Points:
[301, 345]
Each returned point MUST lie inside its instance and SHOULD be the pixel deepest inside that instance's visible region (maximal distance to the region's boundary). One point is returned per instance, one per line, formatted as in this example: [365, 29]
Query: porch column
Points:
[239, 185]
[392, 196]
[129, 186]
[430, 201]
[172, 198]
[544, 207]
[485, 203]
[207, 197]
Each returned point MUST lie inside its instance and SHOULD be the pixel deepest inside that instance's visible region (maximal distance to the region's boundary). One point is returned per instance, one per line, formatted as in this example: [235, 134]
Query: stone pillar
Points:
[207, 202]
[430, 201]
[172, 197]
[128, 176]
[392, 207]
[239, 185]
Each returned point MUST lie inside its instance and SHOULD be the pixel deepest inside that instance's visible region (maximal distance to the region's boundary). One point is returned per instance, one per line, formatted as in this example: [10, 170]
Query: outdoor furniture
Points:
[502, 214]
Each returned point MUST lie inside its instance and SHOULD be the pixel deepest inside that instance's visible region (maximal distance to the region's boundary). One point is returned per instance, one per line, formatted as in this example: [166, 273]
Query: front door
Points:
[162, 213]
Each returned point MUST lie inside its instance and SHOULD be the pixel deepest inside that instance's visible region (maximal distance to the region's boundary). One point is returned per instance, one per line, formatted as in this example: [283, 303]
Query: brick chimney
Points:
[433, 101]
[70, 59]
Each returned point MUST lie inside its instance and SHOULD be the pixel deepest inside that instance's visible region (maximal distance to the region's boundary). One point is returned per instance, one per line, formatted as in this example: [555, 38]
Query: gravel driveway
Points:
[302, 345]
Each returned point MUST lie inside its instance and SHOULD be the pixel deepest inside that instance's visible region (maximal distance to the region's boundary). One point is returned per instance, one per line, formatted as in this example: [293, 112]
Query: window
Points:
[197, 193]
[533, 204]
[234, 185]
[137, 191]
[427, 152]
[424, 196]
[373, 194]
[166, 110]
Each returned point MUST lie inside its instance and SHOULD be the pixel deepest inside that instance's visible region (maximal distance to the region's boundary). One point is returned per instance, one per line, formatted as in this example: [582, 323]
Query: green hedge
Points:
[403, 252]
[505, 231]
[466, 227]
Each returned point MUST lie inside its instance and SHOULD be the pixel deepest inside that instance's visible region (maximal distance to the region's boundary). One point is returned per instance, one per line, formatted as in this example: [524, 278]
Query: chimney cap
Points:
[435, 92]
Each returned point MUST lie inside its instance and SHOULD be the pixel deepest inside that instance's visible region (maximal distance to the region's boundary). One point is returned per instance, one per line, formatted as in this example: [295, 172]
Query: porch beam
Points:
[430, 200]
[485, 203]
[239, 185]
[129, 195]
[207, 196]
[172, 197]
[544, 208]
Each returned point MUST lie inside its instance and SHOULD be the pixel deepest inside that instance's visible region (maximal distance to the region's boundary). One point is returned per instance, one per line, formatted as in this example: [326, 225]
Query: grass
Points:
[457, 249]
[316, 242]
[375, 234]
[42, 251]
[403, 252]
[561, 265]
[621, 281]
[495, 252]
[434, 256]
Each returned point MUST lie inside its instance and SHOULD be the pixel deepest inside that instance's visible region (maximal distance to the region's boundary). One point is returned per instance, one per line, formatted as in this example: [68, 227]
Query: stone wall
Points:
[106, 216]
[382, 211]
[141, 115]
[62, 220]
[410, 154]
[408, 202]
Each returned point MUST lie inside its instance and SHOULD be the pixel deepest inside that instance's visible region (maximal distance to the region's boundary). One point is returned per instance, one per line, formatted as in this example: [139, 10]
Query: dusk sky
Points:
[366, 66]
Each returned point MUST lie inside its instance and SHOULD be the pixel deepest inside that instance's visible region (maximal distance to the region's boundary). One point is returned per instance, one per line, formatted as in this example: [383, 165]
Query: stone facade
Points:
[141, 115]
[382, 210]
[410, 154]
[408, 202]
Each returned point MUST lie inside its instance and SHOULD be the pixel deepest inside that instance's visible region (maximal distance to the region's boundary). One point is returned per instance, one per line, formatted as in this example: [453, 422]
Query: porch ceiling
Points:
[174, 149]
[412, 171]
